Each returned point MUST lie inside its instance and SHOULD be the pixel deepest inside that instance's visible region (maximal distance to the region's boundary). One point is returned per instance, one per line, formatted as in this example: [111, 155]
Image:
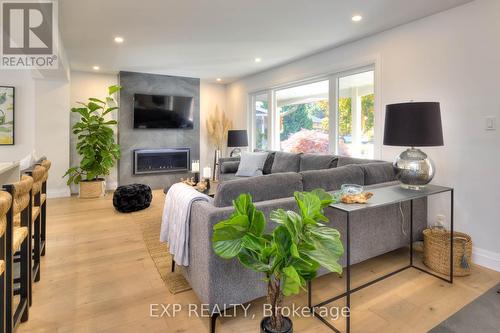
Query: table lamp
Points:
[414, 124]
[237, 139]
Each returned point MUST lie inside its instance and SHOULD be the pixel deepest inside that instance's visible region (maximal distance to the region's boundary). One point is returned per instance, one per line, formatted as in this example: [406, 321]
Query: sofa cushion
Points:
[229, 166]
[376, 173]
[285, 162]
[346, 160]
[317, 162]
[332, 179]
[224, 177]
[269, 187]
[251, 164]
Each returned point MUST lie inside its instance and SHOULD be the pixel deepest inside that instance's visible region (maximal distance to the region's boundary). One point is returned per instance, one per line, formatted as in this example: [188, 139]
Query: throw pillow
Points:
[251, 164]
[286, 162]
[229, 166]
[317, 162]
[269, 161]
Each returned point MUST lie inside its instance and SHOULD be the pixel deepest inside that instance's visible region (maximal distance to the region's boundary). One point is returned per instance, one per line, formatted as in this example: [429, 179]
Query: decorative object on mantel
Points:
[414, 124]
[7, 104]
[437, 251]
[217, 126]
[98, 156]
[237, 139]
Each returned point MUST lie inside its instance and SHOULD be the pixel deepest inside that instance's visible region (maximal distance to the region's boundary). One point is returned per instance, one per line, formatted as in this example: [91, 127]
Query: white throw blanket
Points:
[175, 221]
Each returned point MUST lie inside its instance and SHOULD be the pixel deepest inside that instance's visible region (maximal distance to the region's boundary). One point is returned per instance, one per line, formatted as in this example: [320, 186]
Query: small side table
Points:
[383, 196]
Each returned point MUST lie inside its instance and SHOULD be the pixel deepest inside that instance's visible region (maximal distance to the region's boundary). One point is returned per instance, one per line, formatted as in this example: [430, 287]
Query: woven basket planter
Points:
[92, 189]
[437, 252]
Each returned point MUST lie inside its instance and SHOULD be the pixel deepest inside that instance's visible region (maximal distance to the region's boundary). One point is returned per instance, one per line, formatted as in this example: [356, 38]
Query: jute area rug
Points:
[149, 221]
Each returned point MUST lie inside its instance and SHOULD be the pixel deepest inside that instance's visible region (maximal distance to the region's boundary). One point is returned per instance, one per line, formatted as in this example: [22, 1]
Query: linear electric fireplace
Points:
[161, 160]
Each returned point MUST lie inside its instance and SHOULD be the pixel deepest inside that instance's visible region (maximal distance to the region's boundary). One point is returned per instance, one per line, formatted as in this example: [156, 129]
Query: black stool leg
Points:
[173, 265]
[213, 320]
[2, 302]
[25, 291]
[36, 249]
[43, 226]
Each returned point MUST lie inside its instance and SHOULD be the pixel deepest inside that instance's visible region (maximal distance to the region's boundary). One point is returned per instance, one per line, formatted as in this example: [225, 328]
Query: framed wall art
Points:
[7, 115]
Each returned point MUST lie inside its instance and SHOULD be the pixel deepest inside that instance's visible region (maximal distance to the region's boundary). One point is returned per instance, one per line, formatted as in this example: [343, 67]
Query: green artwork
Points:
[6, 115]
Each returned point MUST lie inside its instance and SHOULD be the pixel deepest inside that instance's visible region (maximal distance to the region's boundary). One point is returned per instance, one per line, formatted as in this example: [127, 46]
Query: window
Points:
[300, 119]
[355, 115]
[303, 118]
[261, 112]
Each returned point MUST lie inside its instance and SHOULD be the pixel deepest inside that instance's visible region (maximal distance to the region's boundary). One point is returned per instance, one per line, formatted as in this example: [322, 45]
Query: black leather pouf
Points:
[131, 198]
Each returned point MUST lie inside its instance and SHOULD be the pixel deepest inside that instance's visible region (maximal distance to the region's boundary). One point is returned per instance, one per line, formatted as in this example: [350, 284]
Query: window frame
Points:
[333, 78]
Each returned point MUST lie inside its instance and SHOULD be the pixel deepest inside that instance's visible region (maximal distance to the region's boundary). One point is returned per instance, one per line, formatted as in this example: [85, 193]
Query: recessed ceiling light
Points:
[119, 39]
[219, 79]
[357, 18]
[96, 68]
[258, 59]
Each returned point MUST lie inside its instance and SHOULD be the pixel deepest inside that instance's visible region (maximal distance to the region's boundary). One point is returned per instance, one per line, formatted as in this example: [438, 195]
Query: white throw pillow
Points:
[251, 164]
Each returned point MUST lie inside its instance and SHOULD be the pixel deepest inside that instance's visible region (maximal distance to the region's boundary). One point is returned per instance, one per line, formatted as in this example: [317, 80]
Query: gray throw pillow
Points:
[285, 162]
[251, 164]
[229, 166]
[376, 173]
[317, 162]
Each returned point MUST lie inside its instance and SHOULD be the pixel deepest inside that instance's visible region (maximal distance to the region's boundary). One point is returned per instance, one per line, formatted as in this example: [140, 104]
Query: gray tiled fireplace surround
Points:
[131, 139]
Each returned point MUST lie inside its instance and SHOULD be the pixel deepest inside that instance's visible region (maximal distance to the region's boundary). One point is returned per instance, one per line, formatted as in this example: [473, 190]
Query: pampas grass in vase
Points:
[218, 125]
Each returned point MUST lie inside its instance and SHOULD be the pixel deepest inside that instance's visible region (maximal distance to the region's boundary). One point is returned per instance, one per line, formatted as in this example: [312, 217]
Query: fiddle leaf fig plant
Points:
[96, 140]
[291, 254]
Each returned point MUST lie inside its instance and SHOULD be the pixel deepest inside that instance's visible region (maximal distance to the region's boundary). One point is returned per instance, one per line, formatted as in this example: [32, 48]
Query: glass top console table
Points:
[383, 196]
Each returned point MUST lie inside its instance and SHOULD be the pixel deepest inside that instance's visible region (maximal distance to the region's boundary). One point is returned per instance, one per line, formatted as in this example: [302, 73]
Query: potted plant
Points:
[289, 256]
[95, 144]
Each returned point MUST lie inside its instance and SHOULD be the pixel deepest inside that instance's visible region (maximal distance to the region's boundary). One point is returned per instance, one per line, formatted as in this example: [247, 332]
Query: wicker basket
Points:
[437, 252]
[92, 189]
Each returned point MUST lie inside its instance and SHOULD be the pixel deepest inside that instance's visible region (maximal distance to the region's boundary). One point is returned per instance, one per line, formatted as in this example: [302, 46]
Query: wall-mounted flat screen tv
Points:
[155, 111]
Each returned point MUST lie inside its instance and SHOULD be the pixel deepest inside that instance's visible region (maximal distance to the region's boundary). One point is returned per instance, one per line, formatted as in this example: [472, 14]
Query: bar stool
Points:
[5, 203]
[18, 240]
[37, 173]
[43, 201]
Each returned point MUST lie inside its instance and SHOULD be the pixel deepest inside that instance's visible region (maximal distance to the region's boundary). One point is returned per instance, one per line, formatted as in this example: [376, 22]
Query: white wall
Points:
[83, 86]
[451, 57]
[41, 123]
[24, 120]
[211, 95]
[52, 131]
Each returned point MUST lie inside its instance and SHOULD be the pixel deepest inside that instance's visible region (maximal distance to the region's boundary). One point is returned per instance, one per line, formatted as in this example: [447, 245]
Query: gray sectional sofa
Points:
[220, 282]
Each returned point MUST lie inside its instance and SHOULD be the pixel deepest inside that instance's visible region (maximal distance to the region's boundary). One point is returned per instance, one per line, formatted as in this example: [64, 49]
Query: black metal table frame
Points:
[349, 291]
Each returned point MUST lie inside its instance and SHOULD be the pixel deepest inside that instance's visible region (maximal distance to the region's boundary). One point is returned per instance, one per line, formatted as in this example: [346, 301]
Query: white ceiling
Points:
[220, 38]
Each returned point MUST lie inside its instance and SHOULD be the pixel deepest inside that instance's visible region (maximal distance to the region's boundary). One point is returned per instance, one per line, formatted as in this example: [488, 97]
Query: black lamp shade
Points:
[416, 124]
[237, 138]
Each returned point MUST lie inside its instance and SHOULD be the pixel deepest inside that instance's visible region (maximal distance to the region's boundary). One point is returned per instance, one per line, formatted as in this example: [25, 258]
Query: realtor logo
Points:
[29, 35]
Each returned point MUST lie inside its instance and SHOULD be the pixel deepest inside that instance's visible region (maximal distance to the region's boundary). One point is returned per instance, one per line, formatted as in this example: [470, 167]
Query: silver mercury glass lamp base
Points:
[414, 169]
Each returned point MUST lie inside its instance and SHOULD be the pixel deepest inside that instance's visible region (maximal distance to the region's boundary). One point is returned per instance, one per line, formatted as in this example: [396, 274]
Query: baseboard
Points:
[486, 258]
[58, 192]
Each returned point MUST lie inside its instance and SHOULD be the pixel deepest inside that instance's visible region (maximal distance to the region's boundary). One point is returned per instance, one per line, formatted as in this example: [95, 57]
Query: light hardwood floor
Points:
[97, 276]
